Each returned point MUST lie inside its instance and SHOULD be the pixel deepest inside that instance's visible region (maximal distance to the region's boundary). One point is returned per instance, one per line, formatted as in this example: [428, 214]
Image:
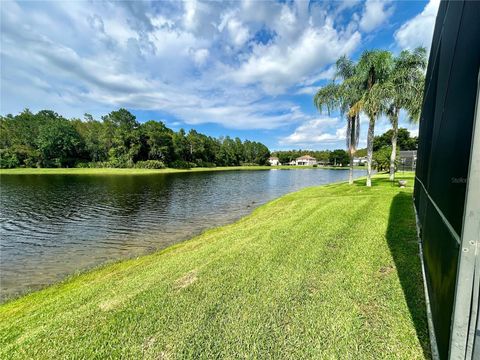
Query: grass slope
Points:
[328, 272]
[114, 171]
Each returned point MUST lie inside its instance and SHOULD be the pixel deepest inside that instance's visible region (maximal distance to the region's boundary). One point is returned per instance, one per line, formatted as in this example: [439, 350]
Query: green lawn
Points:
[328, 272]
[114, 171]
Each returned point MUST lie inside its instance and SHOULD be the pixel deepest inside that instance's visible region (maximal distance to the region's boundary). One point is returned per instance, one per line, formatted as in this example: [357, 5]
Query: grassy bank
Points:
[328, 272]
[111, 171]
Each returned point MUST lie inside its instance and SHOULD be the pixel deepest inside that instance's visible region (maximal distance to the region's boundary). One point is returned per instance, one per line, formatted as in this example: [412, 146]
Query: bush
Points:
[97, 164]
[201, 163]
[248, 164]
[150, 164]
[8, 159]
[83, 165]
[180, 164]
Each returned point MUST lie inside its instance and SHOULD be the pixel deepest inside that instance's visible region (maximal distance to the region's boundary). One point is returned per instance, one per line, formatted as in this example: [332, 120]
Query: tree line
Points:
[377, 84]
[382, 148]
[47, 139]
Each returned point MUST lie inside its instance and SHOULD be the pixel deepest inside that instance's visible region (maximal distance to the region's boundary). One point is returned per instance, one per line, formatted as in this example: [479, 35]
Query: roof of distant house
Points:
[273, 158]
[306, 157]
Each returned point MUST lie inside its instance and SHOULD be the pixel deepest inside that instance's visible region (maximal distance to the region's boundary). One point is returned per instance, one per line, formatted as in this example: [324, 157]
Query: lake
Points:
[55, 225]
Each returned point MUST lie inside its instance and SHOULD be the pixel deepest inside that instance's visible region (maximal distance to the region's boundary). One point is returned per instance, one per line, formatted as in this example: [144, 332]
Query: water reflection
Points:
[54, 225]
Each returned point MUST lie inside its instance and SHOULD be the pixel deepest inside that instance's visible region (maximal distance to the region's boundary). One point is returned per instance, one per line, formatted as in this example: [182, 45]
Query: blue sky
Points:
[243, 68]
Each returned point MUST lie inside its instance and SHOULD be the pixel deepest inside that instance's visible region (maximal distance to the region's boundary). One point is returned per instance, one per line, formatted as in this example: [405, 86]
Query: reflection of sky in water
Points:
[54, 225]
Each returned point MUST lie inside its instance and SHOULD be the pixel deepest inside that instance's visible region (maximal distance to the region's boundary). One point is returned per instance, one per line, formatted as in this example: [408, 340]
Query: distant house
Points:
[274, 161]
[407, 160]
[359, 160]
[293, 162]
[305, 160]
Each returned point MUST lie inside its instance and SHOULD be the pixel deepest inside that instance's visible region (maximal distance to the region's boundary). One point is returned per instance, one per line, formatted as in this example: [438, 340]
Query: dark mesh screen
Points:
[444, 152]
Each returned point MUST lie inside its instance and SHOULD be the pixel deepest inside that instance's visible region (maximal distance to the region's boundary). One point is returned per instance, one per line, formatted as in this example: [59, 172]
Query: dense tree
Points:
[59, 143]
[157, 141]
[126, 137]
[91, 131]
[256, 153]
[339, 157]
[46, 139]
[403, 141]
[381, 158]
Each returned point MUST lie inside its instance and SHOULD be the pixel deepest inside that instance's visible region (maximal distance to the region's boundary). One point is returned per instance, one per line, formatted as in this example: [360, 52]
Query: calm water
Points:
[54, 225]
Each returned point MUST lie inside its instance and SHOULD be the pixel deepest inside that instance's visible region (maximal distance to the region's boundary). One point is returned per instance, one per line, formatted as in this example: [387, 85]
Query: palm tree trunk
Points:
[352, 141]
[350, 175]
[371, 132]
[394, 144]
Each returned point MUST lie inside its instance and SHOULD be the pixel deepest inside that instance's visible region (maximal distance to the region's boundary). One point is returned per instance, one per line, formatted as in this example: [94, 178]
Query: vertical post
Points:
[465, 306]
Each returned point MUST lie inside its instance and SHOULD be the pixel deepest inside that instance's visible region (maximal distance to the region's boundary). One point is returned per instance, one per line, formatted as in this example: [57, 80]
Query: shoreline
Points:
[133, 171]
[237, 285]
[98, 266]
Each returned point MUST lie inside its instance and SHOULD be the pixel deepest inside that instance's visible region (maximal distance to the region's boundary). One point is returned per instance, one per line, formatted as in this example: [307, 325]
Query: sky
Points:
[241, 68]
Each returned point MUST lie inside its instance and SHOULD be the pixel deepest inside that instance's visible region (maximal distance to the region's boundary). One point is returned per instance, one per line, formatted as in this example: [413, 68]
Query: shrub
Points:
[8, 159]
[83, 165]
[201, 163]
[150, 164]
[180, 164]
[97, 164]
[248, 164]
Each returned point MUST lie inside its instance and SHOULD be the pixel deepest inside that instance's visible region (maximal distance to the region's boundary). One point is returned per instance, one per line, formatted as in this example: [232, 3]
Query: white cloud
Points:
[189, 18]
[237, 31]
[315, 132]
[418, 31]
[376, 12]
[307, 90]
[200, 56]
[280, 65]
[197, 62]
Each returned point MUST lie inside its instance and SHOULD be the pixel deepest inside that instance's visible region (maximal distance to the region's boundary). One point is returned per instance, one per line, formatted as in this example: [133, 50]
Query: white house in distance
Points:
[306, 160]
[274, 161]
[359, 160]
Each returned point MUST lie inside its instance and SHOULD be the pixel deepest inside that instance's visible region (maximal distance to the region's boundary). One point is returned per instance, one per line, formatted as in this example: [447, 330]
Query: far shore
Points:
[133, 171]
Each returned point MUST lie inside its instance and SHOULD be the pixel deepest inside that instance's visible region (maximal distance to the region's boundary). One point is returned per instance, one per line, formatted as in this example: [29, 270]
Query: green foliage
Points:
[378, 84]
[8, 159]
[46, 139]
[404, 141]
[150, 164]
[181, 164]
[381, 158]
[405, 84]
[339, 157]
[58, 142]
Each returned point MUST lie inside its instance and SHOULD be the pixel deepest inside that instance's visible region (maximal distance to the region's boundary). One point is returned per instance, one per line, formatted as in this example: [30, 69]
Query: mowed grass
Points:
[328, 272]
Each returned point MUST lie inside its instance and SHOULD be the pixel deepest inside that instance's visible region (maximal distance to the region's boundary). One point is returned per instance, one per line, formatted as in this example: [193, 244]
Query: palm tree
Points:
[405, 90]
[343, 96]
[372, 72]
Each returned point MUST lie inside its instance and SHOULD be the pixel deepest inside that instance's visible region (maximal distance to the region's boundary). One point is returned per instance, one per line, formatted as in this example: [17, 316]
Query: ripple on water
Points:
[52, 226]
